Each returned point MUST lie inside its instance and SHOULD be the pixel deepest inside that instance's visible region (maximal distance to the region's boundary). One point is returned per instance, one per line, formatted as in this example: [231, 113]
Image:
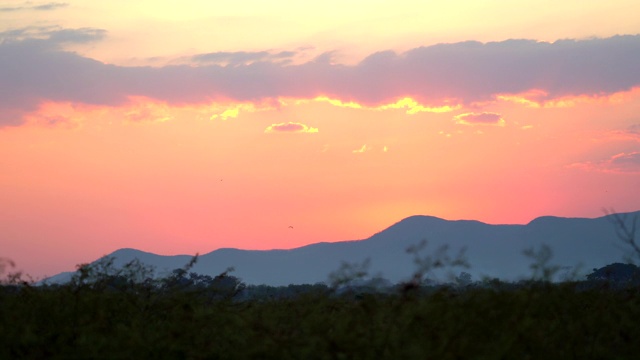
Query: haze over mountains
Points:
[491, 250]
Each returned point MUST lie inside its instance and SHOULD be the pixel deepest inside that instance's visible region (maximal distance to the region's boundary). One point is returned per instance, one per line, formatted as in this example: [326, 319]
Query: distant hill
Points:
[491, 250]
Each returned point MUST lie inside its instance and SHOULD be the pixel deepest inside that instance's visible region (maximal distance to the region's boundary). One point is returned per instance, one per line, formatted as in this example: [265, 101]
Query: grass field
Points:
[185, 317]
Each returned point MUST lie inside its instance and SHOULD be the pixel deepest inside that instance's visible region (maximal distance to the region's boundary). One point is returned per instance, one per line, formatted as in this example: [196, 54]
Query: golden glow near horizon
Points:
[206, 124]
[411, 106]
[535, 98]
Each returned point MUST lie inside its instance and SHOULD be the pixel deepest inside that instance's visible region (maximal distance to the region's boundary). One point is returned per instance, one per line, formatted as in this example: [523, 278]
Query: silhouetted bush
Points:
[128, 313]
[188, 315]
[617, 272]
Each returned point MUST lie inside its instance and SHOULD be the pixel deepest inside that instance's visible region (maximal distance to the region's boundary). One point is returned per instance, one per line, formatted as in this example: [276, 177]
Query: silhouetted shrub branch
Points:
[626, 232]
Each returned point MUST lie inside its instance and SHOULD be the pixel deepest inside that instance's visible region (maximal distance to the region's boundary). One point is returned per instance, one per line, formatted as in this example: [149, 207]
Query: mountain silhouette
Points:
[579, 244]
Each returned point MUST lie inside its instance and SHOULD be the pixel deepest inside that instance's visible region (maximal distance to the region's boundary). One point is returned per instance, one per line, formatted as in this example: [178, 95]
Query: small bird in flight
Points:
[290, 227]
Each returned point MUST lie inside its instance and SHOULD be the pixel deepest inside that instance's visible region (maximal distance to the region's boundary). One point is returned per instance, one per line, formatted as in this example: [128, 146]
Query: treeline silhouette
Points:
[126, 313]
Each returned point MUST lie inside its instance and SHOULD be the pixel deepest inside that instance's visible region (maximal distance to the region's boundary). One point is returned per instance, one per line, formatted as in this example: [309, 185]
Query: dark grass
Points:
[527, 321]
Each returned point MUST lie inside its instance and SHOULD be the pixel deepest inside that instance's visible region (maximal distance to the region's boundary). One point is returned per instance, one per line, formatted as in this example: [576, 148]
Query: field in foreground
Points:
[126, 320]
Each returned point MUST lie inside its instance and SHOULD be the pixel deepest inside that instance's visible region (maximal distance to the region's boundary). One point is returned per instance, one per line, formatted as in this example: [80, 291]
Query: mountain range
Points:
[496, 251]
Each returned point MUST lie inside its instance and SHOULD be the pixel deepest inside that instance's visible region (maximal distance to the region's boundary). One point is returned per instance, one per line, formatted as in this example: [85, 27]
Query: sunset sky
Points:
[183, 127]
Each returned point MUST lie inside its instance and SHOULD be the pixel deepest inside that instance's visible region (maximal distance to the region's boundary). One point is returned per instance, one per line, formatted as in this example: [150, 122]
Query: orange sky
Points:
[186, 129]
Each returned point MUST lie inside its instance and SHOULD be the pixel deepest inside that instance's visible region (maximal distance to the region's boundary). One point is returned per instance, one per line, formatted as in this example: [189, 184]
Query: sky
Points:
[183, 127]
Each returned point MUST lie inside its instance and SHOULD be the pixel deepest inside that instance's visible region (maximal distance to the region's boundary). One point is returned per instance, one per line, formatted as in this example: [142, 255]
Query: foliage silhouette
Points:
[109, 312]
[626, 231]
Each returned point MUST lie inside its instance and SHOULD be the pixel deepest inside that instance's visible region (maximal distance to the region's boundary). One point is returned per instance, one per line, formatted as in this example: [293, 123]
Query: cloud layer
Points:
[30, 6]
[628, 162]
[292, 127]
[485, 118]
[34, 68]
[242, 57]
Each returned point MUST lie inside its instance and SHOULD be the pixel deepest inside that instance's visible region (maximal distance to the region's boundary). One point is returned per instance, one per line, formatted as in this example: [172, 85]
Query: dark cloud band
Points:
[36, 69]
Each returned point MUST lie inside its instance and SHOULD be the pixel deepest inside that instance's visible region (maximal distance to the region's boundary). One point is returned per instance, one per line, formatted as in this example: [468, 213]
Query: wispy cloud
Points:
[290, 127]
[484, 118]
[631, 133]
[45, 38]
[233, 110]
[628, 162]
[633, 129]
[242, 57]
[34, 68]
[541, 99]
[147, 111]
[361, 150]
[227, 114]
[408, 104]
[29, 6]
[55, 121]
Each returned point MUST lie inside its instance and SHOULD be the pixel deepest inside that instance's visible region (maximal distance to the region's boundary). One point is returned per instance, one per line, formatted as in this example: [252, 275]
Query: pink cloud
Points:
[290, 127]
[626, 161]
[619, 163]
[34, 68]
[634, 129]
[485, 118]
